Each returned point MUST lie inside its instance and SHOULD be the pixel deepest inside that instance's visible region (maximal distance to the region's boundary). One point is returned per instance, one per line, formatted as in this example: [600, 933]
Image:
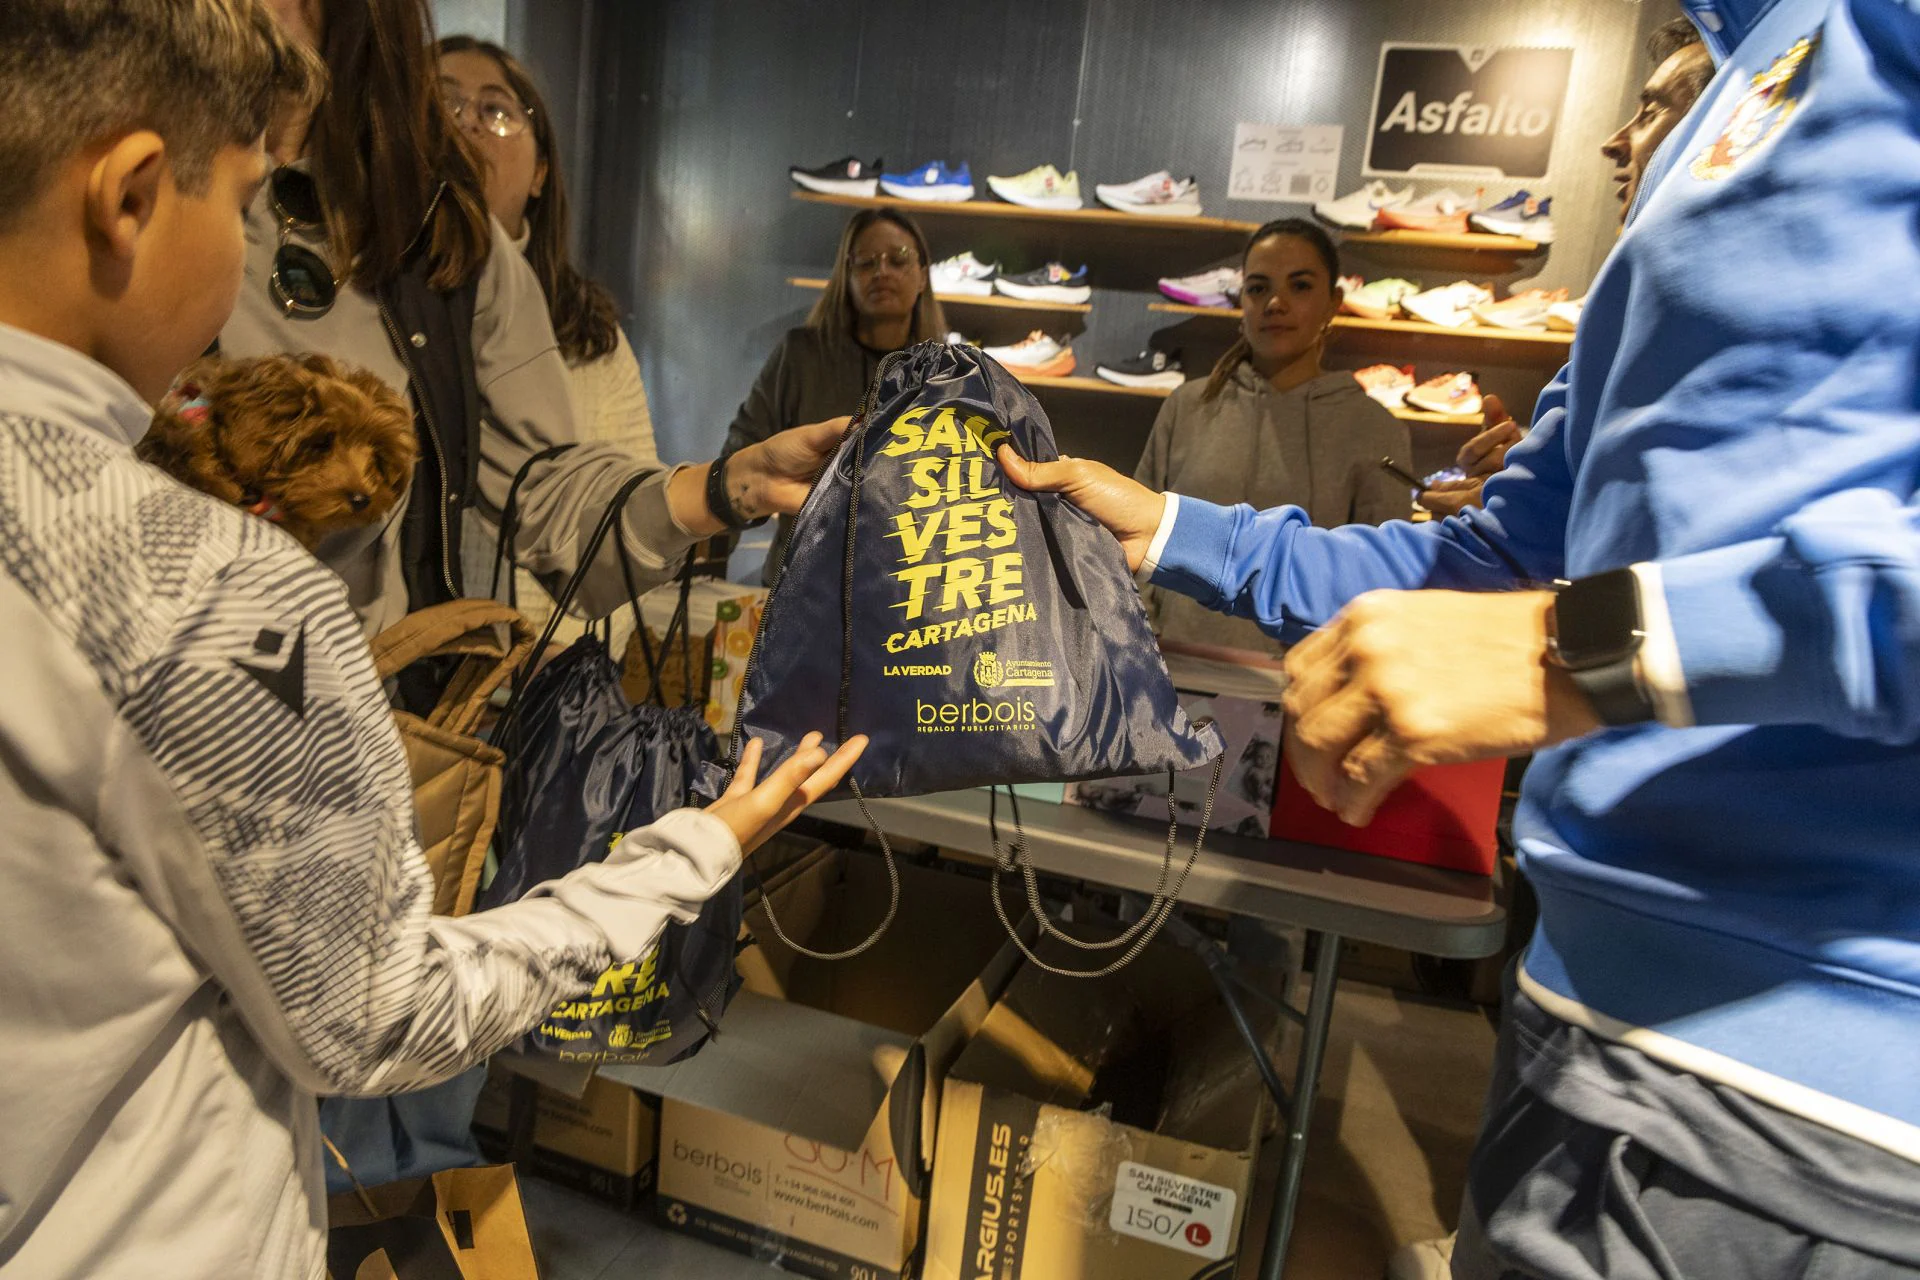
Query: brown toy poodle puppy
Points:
[309, 443]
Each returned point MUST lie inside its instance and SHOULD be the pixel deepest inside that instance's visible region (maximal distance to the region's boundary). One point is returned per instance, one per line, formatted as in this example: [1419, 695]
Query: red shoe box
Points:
[1443, 816]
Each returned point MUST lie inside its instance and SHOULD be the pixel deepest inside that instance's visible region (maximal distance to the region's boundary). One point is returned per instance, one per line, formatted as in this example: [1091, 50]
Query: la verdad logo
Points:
[1441, 107]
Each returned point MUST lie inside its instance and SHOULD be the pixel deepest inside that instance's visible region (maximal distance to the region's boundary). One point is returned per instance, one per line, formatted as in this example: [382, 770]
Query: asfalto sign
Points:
[1451, 108]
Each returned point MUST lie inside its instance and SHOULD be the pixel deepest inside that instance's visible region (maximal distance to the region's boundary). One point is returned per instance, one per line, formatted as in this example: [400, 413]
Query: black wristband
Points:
[720, 502]
[1616, 693]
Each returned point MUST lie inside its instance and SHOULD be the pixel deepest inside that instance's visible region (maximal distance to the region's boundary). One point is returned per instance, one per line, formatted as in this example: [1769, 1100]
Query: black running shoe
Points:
[846, 176]
[1148, 369]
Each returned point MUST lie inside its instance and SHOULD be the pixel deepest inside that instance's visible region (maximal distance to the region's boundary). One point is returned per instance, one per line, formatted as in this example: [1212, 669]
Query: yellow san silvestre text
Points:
[953, 530]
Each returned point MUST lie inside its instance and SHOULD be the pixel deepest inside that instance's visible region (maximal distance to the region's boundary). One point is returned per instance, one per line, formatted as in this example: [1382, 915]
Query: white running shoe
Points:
[964, 276]
[1159, 194]
[1051, 283]
[1035, 354]
[1565, 316]
[1453, 394]
[1451, 305]
[1044, 187]
[1356, 210]
[1524, 310]
[1219, 287]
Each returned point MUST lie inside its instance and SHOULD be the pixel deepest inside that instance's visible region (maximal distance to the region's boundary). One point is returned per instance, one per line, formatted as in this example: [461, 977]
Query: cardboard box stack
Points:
[589, 1134]
[802, 1134]
[1100, 1129]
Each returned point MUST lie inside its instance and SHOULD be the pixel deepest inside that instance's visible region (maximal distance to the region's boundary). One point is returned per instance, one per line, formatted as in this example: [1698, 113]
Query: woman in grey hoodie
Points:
[1271, 427]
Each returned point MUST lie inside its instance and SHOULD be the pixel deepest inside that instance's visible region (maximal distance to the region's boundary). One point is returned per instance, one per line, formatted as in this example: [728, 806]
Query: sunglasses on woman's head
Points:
[301, 281]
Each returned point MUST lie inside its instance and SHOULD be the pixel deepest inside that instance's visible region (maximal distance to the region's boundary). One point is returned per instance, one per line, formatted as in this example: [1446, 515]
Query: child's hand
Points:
[756, 810]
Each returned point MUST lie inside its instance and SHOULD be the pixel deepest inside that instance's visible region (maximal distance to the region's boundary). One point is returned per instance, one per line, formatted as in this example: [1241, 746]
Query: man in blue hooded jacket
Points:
[1711, 1064]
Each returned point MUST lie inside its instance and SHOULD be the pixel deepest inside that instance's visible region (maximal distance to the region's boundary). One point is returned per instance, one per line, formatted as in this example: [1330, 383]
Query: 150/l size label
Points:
[1182, 1213]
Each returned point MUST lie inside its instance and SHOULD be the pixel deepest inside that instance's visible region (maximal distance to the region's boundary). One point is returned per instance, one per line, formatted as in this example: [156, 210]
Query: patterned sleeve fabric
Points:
[264, 710]
[236, 662]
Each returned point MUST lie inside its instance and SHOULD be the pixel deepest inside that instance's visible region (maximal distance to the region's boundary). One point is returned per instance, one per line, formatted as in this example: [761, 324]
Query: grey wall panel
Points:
[699, 106]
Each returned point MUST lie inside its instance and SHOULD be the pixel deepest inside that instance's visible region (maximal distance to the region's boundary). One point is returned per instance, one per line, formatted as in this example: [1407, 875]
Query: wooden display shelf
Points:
[1447, 419]
[1001, 209]
[972, 299]
[1077, 383]
[1480, 333]
[1161, 393]
[1477, 241]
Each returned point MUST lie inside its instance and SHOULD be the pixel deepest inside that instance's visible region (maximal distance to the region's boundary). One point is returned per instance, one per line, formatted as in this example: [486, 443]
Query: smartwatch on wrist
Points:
[719, 501]
[1594, 634]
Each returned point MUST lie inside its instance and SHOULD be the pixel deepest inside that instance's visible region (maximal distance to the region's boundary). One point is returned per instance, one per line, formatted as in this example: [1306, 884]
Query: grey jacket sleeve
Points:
[300, 883]
[766, 408]
[527, 406]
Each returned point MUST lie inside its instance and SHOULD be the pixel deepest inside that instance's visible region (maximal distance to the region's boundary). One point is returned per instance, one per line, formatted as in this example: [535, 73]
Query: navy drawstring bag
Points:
[585, 766]
[978, 634]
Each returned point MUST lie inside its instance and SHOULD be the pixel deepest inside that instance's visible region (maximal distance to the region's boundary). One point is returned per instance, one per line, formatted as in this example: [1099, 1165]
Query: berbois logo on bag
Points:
[1438, 108]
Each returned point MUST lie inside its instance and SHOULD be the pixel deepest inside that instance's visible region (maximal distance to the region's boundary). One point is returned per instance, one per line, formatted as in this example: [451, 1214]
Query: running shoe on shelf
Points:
[1044, 187]
[932, 182]
[964, 276]
[1378, 299]
[1160, 369]
[1450, 306]
[1158, 194]
[1524, 310]
[1036, 355]
[1520, 214]
[1564, 317]
[1387, 383]
[1356, 210]
[1454, 394]
[1216, 288]
[1443, 212]
[847, 176]
[1051, 283]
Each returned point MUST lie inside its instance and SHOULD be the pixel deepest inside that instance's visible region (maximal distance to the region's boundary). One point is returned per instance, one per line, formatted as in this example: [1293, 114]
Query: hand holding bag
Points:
[977, 633]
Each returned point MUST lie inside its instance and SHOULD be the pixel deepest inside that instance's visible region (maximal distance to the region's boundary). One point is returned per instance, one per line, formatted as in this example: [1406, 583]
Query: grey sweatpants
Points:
[1597, 1163]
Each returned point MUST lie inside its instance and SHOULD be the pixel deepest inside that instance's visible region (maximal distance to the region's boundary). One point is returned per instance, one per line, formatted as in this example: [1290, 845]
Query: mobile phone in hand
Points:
[1399, 473]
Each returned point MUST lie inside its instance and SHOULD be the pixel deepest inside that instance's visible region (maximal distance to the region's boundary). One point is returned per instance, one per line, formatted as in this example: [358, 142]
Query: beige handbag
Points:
[456, 776]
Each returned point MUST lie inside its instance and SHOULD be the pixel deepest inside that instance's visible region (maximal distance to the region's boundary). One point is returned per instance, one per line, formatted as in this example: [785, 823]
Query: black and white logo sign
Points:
[1454, 107]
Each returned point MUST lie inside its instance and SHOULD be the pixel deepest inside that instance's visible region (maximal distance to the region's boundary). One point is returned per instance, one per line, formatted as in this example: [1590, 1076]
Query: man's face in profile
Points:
[1664, 101]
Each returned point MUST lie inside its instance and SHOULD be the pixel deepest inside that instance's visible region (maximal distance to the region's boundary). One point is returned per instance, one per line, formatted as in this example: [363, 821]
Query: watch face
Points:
[1597, 619]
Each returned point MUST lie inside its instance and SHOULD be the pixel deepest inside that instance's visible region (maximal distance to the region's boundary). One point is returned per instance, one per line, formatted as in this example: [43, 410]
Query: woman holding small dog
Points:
[372, 243]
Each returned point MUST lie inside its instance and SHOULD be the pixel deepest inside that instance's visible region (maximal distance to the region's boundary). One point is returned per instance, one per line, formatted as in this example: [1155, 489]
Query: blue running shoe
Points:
[932, 181]
[1518, 215]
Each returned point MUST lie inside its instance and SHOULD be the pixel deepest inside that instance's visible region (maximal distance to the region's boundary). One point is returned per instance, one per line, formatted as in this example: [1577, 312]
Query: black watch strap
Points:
[719, 501]
[1616, 693]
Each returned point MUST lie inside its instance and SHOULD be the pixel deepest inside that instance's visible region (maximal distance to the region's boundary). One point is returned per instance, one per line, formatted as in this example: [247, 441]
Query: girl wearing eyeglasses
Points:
[373, 244]
[496, 102]
[878, 299]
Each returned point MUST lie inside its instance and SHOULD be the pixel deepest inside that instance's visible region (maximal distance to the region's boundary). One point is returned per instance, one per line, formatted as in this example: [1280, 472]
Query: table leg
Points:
[1306, 1088]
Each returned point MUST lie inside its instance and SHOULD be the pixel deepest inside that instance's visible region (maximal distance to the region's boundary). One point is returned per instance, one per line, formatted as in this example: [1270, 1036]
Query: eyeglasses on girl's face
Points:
[495, 110]
[901, 258]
